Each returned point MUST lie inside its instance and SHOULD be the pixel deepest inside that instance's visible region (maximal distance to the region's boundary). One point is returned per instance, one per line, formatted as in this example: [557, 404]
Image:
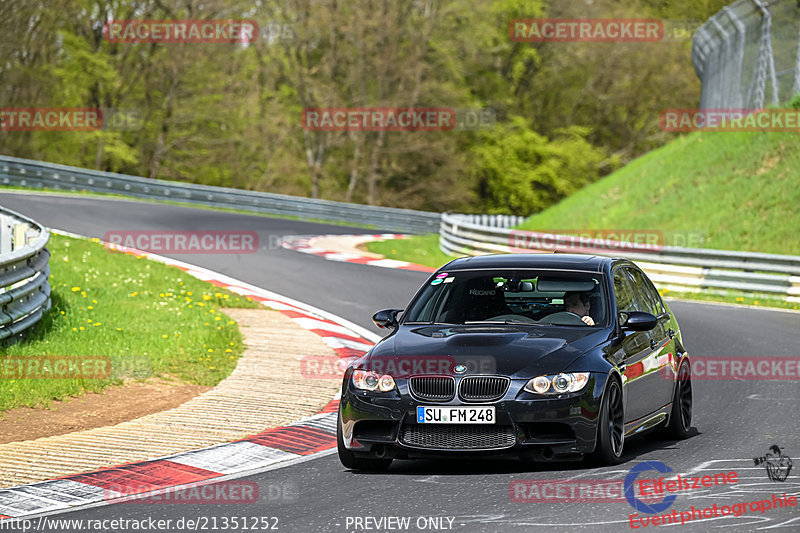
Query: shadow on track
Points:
[634, 448]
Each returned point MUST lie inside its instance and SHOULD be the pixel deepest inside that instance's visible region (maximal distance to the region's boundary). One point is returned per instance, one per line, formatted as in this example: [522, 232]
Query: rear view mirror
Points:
[564, 285]
[639, 321]
[518, 286]
[386, 318]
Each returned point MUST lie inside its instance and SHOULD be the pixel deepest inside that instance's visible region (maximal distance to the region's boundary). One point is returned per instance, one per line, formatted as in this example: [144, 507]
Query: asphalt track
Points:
[734, 421]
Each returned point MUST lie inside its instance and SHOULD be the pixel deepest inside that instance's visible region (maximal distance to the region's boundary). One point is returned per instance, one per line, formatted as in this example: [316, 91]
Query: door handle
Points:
[653, 344]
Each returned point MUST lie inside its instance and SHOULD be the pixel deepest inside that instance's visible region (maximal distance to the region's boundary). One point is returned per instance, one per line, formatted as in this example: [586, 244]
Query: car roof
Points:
[592, 263]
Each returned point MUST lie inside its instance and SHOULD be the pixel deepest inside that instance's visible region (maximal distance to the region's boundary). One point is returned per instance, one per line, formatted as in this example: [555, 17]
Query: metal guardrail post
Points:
[6, 234]
[24, 273]
[735, 58]
[20, 236]
[796, 82]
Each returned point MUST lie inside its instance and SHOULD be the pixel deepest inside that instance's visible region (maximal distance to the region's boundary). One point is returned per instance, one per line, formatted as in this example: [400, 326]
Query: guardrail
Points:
[38, 174]
[673, 268]
[24, 273]
[492, 221]
[670, 267]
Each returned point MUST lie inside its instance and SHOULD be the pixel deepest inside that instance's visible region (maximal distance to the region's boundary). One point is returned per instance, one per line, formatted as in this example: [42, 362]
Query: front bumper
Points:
[527, 425]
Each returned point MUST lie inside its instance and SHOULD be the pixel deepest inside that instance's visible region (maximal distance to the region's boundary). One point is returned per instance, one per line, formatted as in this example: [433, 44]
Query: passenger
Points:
[578, 303]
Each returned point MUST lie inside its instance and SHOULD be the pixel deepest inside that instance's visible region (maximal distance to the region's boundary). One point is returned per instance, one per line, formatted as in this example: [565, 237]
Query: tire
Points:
[680, 418]
[349, 459]
[610, 426]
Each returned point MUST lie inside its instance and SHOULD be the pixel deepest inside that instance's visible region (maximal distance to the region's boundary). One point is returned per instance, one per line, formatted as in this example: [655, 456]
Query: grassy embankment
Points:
[147, 318]
[737, 191]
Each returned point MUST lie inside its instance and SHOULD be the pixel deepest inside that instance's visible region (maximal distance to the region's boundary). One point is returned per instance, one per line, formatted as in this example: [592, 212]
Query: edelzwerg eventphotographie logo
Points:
[777, 464]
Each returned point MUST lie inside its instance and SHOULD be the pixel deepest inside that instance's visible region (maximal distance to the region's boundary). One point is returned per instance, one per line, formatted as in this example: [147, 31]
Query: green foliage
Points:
[227, 114]
[521, 172]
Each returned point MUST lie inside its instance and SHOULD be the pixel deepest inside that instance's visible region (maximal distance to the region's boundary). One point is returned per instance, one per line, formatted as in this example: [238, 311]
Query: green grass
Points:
[730, 191]
[146, 317]
[93, 194]
[420, 249]
[739, 191]
[755, 300]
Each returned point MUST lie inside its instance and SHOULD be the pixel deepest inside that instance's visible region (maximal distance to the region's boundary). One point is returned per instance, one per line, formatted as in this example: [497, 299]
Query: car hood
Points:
[509, 350]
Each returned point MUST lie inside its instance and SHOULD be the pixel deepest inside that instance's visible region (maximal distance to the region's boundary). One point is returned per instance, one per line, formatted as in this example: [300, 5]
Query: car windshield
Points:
[511, 297]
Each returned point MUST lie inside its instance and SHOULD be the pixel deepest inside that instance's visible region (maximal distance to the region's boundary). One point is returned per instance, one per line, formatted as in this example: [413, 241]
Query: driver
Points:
[578, 303]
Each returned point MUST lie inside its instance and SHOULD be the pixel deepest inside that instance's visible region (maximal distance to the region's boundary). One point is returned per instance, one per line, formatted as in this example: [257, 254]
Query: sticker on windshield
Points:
[449, 280]
[440, 278]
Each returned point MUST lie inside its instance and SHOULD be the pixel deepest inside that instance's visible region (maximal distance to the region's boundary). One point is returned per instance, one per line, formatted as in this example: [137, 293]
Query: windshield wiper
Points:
[507, 322]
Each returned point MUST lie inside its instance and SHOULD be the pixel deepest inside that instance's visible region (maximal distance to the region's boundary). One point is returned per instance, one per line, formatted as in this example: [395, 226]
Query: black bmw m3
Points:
[538, 356]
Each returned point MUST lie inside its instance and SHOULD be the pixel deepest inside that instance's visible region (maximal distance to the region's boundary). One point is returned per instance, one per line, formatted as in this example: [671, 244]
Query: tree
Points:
[521, 172]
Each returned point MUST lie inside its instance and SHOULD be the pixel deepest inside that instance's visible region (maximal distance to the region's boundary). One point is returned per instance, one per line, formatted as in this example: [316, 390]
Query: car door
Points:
[659, 369]
[633, 349]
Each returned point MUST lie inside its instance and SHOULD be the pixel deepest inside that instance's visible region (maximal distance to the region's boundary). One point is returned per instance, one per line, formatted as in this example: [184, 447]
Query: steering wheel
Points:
[565, 318]
[513, 318]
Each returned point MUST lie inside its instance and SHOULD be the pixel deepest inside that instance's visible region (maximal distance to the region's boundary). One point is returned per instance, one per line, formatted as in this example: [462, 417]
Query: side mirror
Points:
[386, 318]
[639, 321]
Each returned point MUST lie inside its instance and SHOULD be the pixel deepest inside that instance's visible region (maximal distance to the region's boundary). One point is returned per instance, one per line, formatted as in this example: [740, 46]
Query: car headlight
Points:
[540, 384]
[366, 380]
[558, 383]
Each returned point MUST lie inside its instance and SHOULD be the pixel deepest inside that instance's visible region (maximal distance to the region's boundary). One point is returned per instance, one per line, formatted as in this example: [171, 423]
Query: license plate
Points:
[455, 415]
